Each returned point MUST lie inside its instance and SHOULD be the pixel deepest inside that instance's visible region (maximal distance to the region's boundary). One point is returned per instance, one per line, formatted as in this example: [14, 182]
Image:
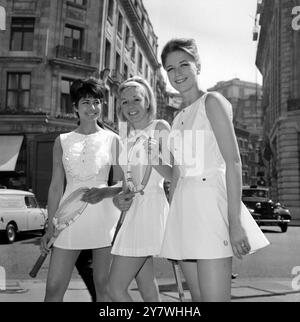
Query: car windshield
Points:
[255, 193]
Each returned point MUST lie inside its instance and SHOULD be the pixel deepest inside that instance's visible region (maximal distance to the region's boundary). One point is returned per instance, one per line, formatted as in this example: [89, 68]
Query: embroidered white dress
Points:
[87, 160]
[197, 225]
[142, 231]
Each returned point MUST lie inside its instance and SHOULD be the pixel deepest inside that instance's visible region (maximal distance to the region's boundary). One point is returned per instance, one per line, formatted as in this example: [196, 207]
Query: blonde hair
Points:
[149, 96]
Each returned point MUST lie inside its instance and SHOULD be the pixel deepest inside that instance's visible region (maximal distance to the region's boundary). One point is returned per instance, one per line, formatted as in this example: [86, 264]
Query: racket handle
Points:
[119, 224]
[178, 280]
[38, 265]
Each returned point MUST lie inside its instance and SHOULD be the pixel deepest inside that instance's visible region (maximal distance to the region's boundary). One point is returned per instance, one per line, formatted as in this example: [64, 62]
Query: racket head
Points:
[138, 168]
[70, 209]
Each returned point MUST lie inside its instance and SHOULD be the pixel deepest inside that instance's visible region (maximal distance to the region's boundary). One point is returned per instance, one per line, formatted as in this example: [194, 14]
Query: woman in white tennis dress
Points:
[141, 234]
[207, 223]
[83, 158]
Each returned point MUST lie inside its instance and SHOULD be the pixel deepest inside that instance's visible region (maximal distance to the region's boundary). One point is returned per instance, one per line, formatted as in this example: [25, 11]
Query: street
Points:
[275, 261]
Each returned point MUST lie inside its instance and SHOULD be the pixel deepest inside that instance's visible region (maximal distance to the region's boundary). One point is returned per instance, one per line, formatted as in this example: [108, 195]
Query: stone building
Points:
[46, 45]
[278, 59]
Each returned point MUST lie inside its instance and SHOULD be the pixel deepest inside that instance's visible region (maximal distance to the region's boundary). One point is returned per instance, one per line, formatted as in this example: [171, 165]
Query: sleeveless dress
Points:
[87, 160]
[197, 225]
[142, 231]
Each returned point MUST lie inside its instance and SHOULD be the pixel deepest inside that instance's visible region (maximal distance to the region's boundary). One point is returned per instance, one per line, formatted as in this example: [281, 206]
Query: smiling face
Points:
[88, 108]
[134, 104]
[182, 71]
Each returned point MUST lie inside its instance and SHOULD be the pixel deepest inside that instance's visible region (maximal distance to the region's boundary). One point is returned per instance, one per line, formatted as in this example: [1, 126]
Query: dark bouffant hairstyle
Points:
[184, 44]
[82, 88]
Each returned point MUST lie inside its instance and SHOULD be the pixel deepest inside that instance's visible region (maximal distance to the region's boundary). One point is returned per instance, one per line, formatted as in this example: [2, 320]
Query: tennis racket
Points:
[138, 172]
[68, 211]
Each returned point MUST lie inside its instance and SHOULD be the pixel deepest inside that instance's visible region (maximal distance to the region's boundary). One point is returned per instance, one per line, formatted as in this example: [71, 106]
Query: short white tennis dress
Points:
[142, 231]
[197, 225]
[87, 160]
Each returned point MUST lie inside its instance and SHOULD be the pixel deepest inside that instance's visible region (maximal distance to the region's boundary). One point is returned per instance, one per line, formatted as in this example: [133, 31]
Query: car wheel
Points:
[283, 227]
[11, 233]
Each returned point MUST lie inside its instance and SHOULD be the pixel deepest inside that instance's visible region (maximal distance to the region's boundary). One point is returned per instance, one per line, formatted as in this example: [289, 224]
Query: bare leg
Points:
[123, 271]
[61, 266]
[147, 283]
[85, 270]
[215, 279]
[101, 264]
[190, 272]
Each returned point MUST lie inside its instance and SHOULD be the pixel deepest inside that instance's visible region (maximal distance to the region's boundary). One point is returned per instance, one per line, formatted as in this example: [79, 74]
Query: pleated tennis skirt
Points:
[197, 225]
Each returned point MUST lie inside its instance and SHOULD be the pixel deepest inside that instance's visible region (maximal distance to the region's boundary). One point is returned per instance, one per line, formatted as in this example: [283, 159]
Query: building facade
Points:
[47, 44]
[278, 61]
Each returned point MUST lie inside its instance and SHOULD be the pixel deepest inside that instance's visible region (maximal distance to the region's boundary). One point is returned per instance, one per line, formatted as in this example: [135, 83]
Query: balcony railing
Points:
[74, 54]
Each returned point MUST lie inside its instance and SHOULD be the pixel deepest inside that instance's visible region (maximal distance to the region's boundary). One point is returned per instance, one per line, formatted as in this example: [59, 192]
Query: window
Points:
[65, 100]
[104, 111]
[120, 25]
[140, 63]
[152, 80]
[18, 90]
[127, 37]
[31, 202]
[22, 31]
[115, 119]
[110, 10]
[146, 71]
[107, 54]
[79, 2]
[73, 38]
[118, 63]
[133, 51]
[125, 71]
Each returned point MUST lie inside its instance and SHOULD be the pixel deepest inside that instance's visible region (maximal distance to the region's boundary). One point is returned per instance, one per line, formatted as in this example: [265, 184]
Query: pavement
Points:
[243, 290]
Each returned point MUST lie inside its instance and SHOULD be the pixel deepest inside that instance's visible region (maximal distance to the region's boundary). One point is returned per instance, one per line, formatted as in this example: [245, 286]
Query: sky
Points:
[222, 30]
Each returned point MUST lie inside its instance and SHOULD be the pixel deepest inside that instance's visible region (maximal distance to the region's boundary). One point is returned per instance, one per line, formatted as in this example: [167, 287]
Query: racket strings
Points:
[137, 164]
[69, 210]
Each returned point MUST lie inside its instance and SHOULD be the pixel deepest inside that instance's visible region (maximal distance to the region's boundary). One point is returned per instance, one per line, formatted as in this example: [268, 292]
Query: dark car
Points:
[263, 209]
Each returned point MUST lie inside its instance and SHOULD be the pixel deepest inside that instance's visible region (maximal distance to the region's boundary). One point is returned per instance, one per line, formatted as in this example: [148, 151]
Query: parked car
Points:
[263, 209]
[20, 213]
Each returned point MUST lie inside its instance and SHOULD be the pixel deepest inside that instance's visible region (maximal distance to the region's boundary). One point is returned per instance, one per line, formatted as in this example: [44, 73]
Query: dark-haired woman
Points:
[83, 157]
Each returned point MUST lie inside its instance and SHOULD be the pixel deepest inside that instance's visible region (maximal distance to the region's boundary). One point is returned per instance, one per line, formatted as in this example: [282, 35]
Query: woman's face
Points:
[89, 108]
[182, 70]
[134, 105]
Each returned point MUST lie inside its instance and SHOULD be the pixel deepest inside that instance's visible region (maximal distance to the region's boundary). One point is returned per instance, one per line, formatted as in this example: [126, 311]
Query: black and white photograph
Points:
[149, 152]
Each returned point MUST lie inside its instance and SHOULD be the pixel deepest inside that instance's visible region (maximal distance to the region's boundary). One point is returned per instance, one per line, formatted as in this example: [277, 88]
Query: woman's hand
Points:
[95, 195]
[239, 240]
[45, 239]
[123, 200]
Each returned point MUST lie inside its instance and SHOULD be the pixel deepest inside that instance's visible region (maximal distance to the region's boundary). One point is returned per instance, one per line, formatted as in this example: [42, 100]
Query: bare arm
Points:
[56, 187]
[217, 113]
[55, 191]
[164, 168]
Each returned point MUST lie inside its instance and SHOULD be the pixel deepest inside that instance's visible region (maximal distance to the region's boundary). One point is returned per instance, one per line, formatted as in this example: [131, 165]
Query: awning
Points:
[9, 151]
[2, 18]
